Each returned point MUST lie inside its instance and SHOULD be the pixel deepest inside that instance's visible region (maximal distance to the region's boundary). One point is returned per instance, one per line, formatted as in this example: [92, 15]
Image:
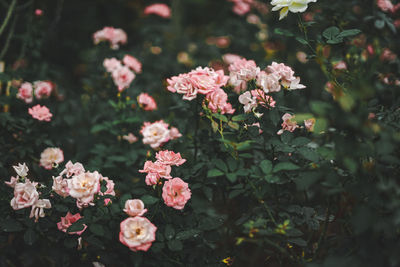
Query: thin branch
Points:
[8, 16]
[9, 37]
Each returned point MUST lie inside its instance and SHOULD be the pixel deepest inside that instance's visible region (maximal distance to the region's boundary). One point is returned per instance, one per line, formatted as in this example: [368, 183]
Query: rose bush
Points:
[199, 133]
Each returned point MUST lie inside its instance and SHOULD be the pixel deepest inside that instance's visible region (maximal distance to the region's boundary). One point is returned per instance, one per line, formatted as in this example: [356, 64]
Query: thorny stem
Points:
[8, 16]
[304, 30]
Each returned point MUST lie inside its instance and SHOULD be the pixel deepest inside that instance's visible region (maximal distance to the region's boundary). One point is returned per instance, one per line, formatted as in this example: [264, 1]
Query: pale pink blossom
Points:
[72, 169]
[42, 89]
[123, 77]
[83, 187]
[217, 102]
[263, 99]
[176, 193]
[130, 138]
[133, 63]
[341, 65]
[230, 58]
[146, 102]
[248, 101]
[257, 124]
[240, 72]
[205, 80]
[288, 124]
[25, 92]
[388, 55]
[67, 221]
[134, 207]
[182, 85]
[137, 233]
[21, 169]
[111, 64]
[309, 124]
[163, 171]
[114, 36]
[161, 10]
[286, 75]
[155, 134]
[13, 181]
[25, 195]
[152, 178]
[38, 208]
[385, 5]
[269, 82]
[174, 133]
[38, 12]
[241, 8]
[41, 113]
[109, 186]
[60, 186]
[51, 157]
[171, 158]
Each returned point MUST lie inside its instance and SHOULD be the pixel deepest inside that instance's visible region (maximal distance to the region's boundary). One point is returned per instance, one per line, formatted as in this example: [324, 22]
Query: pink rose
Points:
[42, 89]
[286, 75]
[146, 102]
[38, 12]
[132, 63]
[111, 64]
[162, 170]
[137, 233]
[67, 221]
[241, 8]
[130, 138]
[109, 185]
[134, 207]
[217, 102]
[51, 157]
[171, 158]
[309, 124]
[41, 113]
[268, 82]
[25, 92]
[288, 124]
[72, 169]
[385, 5]
[230, 58]
[240, 72]
[60, 186]
[182, 84]
[13, 181]
[38, 208]
[248, 101]
[152, 178]
[155, 134]
[25, 195]
[114, 36]
[123, 77]
[176, 193]
[174, 133]
[83, 187]
[161, 10]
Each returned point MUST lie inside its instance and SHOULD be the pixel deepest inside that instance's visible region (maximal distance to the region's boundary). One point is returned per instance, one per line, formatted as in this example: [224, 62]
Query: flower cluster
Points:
[277, 75]
[241, 71]
[198, 81]
[157, 133]
[67, 221]
[114, 36]
[41, 113]
[123, 74]
[218, 102]
[158, 9]
[51, 157]
[175, 191]
[39, 89]
[290, 124]
[26, 194]
[252, 99]
[82, 185]
[294, 6]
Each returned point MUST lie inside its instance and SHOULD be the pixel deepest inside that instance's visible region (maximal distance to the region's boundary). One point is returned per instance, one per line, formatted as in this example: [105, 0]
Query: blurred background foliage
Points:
[327, 198]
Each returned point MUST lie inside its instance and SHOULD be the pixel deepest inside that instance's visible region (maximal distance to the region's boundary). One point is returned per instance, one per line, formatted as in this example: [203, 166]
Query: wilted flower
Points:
[38, 208]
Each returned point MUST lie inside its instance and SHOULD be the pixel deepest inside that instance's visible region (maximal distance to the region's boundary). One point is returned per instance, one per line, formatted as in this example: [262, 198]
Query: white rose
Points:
[134, 207]
[294, 6]
[25, 195]
[84, 186]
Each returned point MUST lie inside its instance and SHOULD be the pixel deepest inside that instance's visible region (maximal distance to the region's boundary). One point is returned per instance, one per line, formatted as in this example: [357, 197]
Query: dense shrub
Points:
[199, 133]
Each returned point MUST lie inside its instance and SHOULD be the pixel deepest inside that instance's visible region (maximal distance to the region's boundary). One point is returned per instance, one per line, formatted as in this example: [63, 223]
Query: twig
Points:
[9, 37]
[8, 16]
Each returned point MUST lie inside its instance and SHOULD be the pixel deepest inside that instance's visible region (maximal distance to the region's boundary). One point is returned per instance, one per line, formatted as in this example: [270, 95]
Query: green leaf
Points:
[348, 33]
[30, 237]
[331, 32]
[169, 232]
[301, 40]
[193, 233]
[175, 245]
[233, 125]
[220, 117]
[283, 32]
[76, 226]
[220, 164]
[266, 166]
[98, 128]
[240, 117]
[309, 154]
[214, 173]
[231, 177]
[285, 166]
[97, 229]
[300, 141]
[149, 200]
